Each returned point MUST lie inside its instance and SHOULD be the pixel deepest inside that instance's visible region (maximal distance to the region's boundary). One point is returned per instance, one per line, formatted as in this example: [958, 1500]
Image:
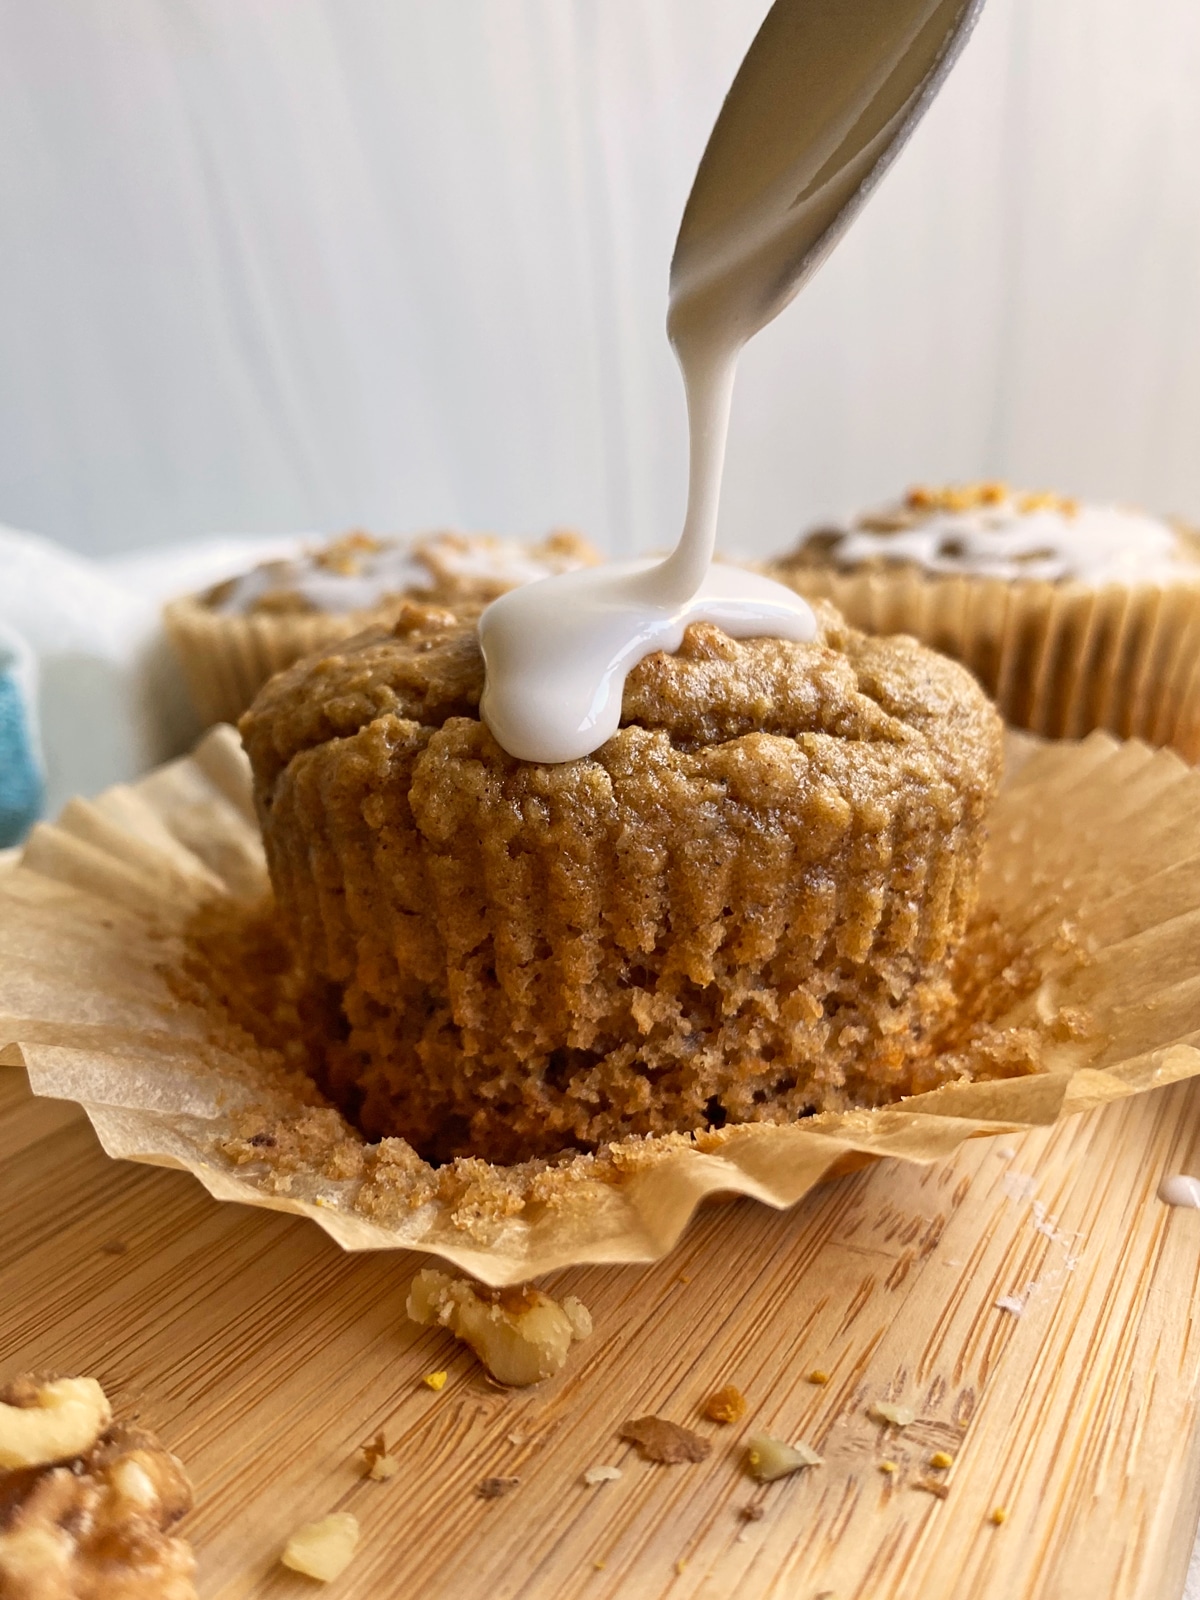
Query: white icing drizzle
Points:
[1177, 1189]
[1094, 544]
[824, 98]
[379, 569]
[557, 653]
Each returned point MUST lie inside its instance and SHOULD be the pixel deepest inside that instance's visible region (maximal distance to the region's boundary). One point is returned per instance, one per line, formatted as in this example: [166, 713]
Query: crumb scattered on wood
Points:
[999, 1515]
[435, 1381]
[595, 1475]
[751, 1513]
[493, 1488]
[818, 1376]
[893, 1415]
[521, 1335]
[768, 1458]
[889, 1467]
[1011, 1302]
[1019, 1185]
[377, 1463]
[941, 1460]
[725, 1405]
[659, 1440]
[932, 1486]
[323, 1549]
[680, 1565]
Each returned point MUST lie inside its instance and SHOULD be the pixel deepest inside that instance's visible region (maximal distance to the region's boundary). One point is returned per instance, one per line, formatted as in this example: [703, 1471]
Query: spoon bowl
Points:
[826, 97]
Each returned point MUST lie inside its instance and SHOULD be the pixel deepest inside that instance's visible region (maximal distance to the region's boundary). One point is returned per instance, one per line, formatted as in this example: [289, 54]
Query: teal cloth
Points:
[20, 779]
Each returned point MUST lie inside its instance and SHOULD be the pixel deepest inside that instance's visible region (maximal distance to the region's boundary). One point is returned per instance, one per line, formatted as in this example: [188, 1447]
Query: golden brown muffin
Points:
[1072, 616]
[741, 907]
[234, 636]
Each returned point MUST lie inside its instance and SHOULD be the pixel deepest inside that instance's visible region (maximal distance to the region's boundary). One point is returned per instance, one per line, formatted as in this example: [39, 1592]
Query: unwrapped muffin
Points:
[1072, 616]
[741, 907]
[231, 638]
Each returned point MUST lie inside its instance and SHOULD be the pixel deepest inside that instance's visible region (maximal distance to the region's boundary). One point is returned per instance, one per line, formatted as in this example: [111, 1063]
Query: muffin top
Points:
[987, 530]
[358, 572]
[844, 697]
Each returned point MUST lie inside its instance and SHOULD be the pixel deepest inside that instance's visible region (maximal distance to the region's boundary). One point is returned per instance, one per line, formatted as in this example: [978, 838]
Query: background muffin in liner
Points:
[1061, 654]
[1093, 867]
[237, 634]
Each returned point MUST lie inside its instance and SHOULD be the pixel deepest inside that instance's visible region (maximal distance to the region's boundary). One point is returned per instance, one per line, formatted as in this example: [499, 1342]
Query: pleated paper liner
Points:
[1093, 871]
[1060, 659]
[226, 659]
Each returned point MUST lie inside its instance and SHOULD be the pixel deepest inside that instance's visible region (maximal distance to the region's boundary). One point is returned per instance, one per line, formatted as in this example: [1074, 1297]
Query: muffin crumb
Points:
[494, 1488]
[725, 1405]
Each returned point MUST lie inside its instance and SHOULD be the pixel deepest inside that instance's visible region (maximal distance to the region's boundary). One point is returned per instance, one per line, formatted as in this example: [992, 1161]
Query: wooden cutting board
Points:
[265, 1357]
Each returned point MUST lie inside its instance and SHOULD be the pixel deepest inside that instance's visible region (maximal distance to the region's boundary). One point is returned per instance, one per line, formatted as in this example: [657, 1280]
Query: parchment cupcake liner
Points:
[1060, 659]
[1093, 868]
[226, 659]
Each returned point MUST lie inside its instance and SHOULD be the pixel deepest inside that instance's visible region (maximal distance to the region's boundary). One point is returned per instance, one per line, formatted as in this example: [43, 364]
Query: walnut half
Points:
[97, 1526]
[520, 1335]
[43, 1421]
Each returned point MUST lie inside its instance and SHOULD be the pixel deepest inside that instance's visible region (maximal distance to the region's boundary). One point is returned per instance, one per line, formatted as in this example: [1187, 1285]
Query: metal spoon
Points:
[825, 99]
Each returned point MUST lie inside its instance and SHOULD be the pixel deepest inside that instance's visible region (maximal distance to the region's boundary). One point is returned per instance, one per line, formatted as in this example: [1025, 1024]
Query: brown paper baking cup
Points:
[1060, 659]
[1093, 866]
[227, 659]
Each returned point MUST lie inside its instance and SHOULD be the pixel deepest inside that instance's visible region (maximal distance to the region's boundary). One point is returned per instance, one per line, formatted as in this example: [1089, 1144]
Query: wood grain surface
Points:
[265, 1357]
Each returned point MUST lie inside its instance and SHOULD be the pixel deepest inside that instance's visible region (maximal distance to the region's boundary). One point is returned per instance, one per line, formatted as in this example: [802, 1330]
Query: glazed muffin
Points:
[1073, 617]
[234, 636]
[742, 907]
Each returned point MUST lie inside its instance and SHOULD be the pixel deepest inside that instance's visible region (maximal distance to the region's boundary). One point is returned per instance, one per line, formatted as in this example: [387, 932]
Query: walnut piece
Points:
[50, 1421]
[520, 1335]
[659, 1440]
[768, 1458]
[725, 1405]
[95, 1526]
[932, 1486]
[322, 1550]
[493, 1488]
[894, 1416]
[377, 1463]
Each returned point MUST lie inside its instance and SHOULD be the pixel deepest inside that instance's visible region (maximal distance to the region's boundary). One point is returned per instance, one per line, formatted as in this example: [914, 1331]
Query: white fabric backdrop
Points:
[273, 264]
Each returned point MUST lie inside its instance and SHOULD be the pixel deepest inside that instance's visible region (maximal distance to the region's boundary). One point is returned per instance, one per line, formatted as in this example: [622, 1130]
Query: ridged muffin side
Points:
[741, 907]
